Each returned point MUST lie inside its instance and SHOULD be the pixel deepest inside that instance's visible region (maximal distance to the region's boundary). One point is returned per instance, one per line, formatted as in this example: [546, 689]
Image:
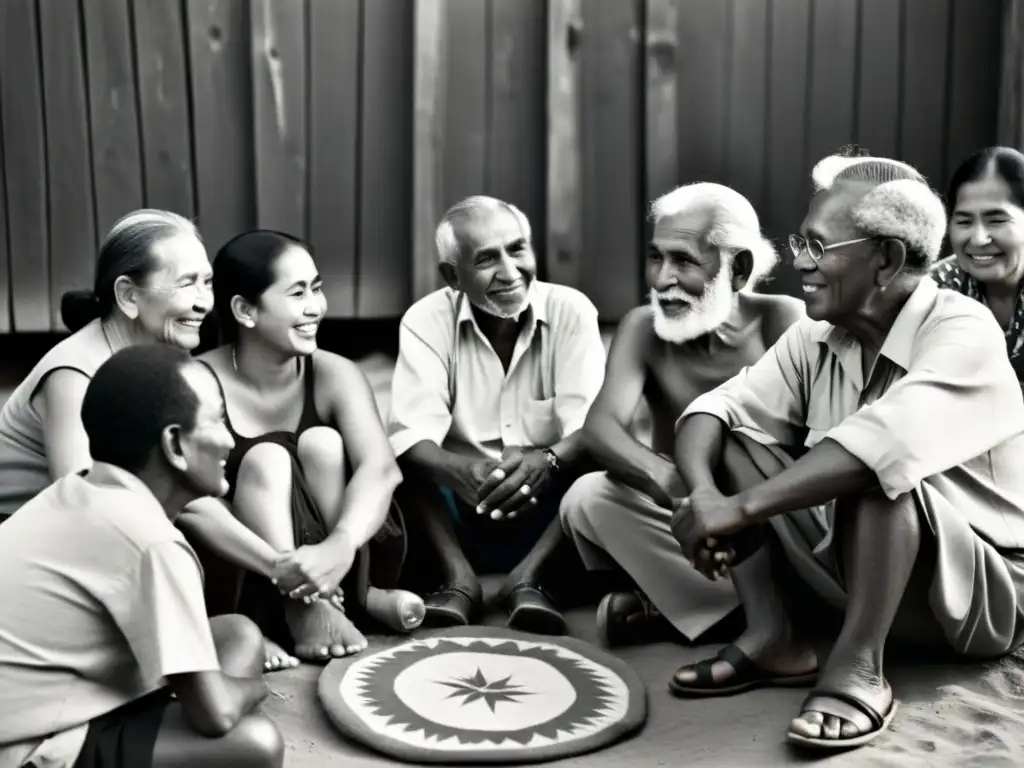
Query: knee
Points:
[239, 643]
[321, 446]
[261, 465]
[259, 740]
[576, 508]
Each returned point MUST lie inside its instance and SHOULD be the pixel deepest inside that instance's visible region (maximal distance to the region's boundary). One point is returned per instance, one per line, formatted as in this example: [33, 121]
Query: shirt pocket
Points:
[540, 423]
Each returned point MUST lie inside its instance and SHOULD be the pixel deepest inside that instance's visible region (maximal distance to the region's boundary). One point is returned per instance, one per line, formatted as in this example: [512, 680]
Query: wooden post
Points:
[429, 74]
[1011, 86]
[661, 52]
[565, 204]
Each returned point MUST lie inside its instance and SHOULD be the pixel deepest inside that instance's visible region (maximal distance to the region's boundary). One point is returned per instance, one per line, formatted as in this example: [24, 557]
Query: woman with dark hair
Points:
[312, 473]
[153, 285]
[985, 202]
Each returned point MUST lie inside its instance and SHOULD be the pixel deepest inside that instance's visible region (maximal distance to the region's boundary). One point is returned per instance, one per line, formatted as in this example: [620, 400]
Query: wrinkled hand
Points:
[313, 571]
[516, 486]
[704, 514]
[469, 476]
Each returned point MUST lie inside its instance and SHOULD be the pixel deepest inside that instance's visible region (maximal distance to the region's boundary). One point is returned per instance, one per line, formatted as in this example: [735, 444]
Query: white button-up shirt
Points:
[450, 388]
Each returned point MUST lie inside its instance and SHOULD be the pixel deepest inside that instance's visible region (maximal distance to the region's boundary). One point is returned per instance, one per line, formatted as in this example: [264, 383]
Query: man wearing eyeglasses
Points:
[876, 449]
[702, 325]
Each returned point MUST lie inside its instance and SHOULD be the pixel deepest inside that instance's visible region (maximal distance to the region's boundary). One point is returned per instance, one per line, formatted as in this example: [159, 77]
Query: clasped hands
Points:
[701, 523]
[504, 489]
[314, 571]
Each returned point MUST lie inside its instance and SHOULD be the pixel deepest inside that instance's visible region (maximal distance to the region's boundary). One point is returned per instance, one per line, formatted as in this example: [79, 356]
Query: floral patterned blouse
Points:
[949, 275]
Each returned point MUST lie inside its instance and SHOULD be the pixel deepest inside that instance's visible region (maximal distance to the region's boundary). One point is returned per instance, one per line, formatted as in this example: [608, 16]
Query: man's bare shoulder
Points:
[777, 312]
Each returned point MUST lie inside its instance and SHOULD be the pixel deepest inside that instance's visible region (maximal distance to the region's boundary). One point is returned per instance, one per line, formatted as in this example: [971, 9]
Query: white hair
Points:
[902, 205]
[734, 224]
[446, 238]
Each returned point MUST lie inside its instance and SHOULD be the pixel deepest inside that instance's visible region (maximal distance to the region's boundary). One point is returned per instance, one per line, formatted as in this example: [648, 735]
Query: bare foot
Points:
[275, 657]
[396, 609]
[322, 631]
[781, 656]
[859, 686]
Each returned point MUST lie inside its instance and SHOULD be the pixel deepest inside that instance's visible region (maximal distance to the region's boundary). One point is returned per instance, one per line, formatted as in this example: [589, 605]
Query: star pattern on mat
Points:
[477, 687]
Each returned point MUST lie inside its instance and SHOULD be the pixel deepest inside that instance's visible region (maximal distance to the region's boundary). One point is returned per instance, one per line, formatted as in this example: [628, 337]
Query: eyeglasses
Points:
[814, 247]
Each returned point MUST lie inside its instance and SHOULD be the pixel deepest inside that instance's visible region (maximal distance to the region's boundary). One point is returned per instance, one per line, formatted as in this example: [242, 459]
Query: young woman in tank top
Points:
[312, 473]
[153, 285]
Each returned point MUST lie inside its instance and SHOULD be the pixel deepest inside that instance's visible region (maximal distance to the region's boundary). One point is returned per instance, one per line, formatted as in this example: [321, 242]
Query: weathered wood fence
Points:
[354, 123]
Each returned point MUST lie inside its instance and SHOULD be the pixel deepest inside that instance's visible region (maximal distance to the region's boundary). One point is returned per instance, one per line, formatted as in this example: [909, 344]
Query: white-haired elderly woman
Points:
[494, 378]
[153, 285]
[877, 450]
[703, 324]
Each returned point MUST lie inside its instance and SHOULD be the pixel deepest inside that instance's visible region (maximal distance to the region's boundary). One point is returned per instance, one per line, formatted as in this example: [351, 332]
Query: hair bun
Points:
[79, 308]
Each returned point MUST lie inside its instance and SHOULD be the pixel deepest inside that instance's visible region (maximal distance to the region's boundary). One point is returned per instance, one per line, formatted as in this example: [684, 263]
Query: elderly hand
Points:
[525, 476]
[314, 571]
[704, 514]
[469, 477]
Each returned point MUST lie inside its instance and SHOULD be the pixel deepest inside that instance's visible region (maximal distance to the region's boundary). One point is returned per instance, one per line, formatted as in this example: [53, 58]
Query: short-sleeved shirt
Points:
[102, 599]
[941, 404]
[450, 388]
[24, 467]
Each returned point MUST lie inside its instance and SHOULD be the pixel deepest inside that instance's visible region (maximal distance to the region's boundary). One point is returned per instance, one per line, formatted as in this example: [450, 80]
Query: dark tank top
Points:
[288, 440]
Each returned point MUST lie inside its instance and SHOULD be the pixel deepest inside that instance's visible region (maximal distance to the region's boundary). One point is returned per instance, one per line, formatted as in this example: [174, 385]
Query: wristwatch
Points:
[552, 458]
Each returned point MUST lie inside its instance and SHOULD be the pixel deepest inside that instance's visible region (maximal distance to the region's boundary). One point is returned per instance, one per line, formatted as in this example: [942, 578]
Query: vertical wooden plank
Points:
[466, 115]
[833, 72]
[334, 30]
[5, 274]
[516, 142]
[564, 193]
[702, 70]
[788, 184]
[661, 52]
[164, 105]
[1011, 79]
[923, 113]
[72, 217]
[974, 75]
[878, 94]
[220, 66]
[113, 116]
[386, 172]
[610, 59]
[279, 109]
[429, 96]
[746, 137]
[25, 167]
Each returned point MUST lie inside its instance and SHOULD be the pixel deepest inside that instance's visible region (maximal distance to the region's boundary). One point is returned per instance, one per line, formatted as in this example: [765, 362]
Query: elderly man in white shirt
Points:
[494, 379]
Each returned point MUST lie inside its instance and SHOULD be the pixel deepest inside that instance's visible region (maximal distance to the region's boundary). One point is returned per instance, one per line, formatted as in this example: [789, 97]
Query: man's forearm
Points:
[699, 449]
[430, 461]
[623, 456]
[212, 522]
[825, 472]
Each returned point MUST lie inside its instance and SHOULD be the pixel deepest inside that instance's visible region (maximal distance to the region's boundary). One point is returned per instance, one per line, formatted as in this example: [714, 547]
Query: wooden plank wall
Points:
[356, 123]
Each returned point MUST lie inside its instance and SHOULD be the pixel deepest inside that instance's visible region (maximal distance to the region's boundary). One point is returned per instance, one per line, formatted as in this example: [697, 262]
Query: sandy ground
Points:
[950, 715]
[969, 715]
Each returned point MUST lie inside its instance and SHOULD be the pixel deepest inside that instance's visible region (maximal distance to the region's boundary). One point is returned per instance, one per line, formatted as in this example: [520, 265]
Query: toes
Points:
[356, 648]
[830, 728]
[337, 650]
[808, 725]
[849, 730]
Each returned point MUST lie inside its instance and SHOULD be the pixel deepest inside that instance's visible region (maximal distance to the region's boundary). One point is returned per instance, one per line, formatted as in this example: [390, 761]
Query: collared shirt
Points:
[941, 406]
[450, 388]
[102, 600]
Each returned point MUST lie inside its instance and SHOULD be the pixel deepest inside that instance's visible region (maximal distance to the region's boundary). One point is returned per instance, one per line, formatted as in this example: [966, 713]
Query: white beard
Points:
[492, 308]
[704, 314]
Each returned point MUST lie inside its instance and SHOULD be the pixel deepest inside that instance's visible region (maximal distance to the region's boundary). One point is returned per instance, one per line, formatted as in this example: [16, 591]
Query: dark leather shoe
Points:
[530, 610]
[452, 606]
[628, 618]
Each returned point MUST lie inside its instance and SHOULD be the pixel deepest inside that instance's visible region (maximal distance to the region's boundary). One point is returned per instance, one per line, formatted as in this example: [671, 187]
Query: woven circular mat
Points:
[484, 694]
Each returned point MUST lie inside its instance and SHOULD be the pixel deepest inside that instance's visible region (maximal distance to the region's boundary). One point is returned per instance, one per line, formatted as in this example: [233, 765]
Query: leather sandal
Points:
[531, 610]
[879, 722]
[452, 606]
[747, 675]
